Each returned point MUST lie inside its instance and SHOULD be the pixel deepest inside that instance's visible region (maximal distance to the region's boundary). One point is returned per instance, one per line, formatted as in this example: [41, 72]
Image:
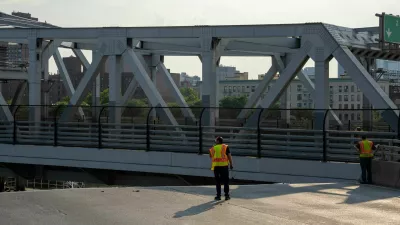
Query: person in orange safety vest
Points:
[365, 148]
[221, 158]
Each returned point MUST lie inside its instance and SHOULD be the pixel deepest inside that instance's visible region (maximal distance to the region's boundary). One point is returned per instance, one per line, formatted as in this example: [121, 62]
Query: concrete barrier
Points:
[386, 173]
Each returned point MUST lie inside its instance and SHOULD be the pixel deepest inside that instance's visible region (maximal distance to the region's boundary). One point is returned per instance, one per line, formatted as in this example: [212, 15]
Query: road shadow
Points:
[195, 210]
[368, 193]
[351, 193]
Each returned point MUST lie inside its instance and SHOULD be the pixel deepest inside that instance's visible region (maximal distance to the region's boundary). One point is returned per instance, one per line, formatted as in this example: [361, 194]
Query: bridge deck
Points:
[262, 204]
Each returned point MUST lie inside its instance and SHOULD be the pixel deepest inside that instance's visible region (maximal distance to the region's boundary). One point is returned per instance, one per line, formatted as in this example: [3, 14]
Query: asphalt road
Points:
[258, 204]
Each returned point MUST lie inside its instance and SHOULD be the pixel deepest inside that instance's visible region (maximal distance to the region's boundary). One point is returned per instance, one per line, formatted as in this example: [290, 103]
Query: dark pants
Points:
[365, 164]
[221, 174]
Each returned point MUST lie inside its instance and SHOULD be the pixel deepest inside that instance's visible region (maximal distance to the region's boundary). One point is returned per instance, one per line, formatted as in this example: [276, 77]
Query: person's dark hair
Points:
[363, 137]
[219, 140]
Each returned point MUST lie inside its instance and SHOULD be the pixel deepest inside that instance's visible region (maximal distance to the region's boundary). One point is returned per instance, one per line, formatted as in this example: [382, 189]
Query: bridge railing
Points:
[137, 132]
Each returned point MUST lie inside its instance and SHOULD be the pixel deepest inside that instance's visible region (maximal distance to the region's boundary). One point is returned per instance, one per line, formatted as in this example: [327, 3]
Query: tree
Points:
[190, 94]
[136, 107]
[233, 102]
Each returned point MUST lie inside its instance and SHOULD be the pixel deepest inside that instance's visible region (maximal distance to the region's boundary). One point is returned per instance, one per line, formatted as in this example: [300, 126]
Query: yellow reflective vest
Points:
[219, 156]
[366, 149]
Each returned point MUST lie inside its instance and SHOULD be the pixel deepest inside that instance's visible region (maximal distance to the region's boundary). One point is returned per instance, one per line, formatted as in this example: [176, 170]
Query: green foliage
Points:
[136, 107]
[376, 115]
[190, 95]
[104, 97]
[233, 102]
[302, 114]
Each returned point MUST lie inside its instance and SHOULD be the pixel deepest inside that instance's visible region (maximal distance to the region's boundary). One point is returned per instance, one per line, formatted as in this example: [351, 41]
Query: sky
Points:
[100, 13]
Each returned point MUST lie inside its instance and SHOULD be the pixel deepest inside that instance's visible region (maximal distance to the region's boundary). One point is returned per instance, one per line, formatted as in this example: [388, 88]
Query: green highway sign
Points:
[391, 29]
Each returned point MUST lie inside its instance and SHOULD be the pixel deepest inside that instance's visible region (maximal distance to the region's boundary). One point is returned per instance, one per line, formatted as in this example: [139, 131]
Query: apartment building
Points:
[344, 94]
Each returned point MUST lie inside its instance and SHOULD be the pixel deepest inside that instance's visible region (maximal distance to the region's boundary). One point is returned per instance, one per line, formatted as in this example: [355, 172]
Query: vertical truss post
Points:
[210, 60]
[115, 69]
[96, 93]
[34, 78]
[321, 89]
[155, 60]
[285, 98]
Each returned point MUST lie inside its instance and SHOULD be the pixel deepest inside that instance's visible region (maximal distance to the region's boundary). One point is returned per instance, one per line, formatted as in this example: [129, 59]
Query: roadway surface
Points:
[261, 204]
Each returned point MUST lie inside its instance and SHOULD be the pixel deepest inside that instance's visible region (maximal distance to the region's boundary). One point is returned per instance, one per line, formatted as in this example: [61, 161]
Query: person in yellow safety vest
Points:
[221, 158]
[365, 148]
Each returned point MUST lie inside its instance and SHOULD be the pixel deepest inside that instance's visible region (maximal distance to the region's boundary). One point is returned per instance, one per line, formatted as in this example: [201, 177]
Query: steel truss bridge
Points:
[143, 49]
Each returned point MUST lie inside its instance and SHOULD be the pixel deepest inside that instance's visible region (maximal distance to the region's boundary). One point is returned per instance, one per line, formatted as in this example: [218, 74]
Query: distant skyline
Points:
[95, 13]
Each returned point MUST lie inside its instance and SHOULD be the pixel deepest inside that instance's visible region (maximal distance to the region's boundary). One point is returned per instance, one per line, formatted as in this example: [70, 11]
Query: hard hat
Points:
[219, 139]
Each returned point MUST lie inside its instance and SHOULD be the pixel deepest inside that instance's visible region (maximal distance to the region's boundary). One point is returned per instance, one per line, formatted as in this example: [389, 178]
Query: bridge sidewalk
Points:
[257, 204]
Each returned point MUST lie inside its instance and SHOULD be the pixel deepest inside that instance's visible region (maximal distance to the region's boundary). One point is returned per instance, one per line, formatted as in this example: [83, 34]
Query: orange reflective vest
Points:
[366, 149]
[218, 156]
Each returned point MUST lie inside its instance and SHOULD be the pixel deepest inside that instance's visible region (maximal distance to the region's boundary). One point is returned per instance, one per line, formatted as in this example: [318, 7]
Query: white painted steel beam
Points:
[35, 79]
[186, 111]
[79, 54]
[257, 48]
[82, 89]
[135, 61]
[175, 48]
[368, 85]
[115, 72]
[247, 31]
[295, 65]
[66, 78]
[261, 88]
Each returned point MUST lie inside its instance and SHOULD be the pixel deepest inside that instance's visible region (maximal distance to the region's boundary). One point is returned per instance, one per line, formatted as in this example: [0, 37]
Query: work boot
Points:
[217, 198]
[227, 197]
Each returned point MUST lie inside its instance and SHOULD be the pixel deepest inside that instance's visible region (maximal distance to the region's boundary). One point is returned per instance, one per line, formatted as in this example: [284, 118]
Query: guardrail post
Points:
[324, 144]
[148, 130]
[100, 130]
[259, 134]
[15, 126]
[201, 132]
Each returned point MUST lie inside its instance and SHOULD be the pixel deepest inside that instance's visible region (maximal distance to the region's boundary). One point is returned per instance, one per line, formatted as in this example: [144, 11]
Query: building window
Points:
[352, 106]
[358, 116]
[340, 106]
[352, 88]
[331, 89]
[340, 89]
[352, 98]
[358, 106]
[346, 106]
[243, 89]
[299, 97]
[225, 89]
[346, 89]
[253, 88]
[230, 88]
[352, 116]
[358, 97]
[298, 105]
[331, 105]
[346, 98]
[299, 87]
[340, 98]
[346, 116]
[358, 89]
